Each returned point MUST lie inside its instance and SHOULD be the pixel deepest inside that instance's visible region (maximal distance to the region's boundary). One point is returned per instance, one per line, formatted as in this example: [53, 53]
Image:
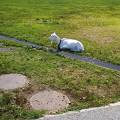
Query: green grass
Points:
[8, 43]
[10, 110]
[96, 23]
[86, 85]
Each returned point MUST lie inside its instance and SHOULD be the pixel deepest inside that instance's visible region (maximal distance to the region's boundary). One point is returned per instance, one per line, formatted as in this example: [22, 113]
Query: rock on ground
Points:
[12, 81]
[49, 100]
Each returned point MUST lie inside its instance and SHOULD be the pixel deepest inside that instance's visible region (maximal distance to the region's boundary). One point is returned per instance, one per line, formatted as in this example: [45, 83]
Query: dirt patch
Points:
[49, 100]
[12, 81]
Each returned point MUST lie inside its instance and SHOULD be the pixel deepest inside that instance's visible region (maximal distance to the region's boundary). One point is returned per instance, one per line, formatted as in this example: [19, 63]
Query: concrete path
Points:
[6, 49]
[110, 112]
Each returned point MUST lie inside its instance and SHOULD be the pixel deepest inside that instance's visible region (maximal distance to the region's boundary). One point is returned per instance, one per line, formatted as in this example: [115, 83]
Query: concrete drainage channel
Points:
[65, 54]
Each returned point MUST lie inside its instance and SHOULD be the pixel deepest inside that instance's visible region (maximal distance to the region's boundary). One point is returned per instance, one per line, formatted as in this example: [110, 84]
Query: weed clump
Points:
[11, 109]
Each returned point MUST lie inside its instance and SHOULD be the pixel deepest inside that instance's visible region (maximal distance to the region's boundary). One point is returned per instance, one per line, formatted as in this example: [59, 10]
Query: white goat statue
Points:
[67, 44]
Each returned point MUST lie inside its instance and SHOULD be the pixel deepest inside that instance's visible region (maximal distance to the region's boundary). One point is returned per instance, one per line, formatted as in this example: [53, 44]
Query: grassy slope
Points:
[86, 85]
[96, 23]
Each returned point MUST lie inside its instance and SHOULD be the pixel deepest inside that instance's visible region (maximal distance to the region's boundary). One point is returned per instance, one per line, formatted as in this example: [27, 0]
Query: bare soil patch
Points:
[49, 100]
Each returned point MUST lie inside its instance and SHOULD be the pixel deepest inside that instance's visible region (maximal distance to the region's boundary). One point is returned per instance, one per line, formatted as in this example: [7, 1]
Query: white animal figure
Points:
[67, 44]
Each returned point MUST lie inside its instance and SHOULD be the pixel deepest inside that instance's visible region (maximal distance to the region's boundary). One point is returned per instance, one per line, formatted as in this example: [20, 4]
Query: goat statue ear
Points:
[54, 33]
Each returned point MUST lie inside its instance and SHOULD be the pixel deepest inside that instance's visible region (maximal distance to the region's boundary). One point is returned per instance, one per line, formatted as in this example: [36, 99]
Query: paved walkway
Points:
[6, 49]
[110, 112]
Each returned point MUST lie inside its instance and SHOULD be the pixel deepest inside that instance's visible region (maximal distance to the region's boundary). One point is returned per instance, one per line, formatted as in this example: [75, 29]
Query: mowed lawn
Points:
[86, 85]
[96, 23]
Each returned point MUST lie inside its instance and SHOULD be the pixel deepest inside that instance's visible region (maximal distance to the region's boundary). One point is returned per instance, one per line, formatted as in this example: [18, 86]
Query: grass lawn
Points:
[86, 85]
[96, 23]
